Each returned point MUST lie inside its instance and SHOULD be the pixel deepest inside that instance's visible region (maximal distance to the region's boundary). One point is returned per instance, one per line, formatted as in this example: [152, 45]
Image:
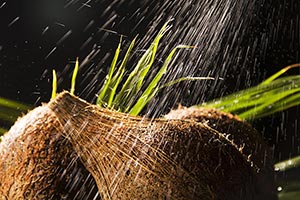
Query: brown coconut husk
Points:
[137, 158]
[241, 133]
[37, 162]
[128, 157]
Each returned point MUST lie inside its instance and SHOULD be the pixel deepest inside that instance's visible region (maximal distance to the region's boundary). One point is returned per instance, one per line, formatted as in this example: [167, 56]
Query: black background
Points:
[29, 30]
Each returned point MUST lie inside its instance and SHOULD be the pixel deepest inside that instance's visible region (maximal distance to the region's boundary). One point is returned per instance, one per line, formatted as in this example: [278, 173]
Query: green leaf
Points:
[268, 104]
[130, 98]
[135, 79]
[271, 96]
[153, 49]
[9, 114]
[54, 84]
[151, 89]
[273, 77]
[288, 189]
[2, 131]
[287, 164]
[293, 195]
[169, 84]
[103, 95]
[13, 104]
[73, 82]
[119, 75]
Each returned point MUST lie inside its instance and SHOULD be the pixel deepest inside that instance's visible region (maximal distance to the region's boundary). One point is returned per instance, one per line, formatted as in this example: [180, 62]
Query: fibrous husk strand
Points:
[247, 139]
[37, 162]
[137, 158]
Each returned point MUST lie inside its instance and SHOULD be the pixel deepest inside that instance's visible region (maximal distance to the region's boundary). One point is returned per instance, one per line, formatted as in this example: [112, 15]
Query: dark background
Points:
[37, 36]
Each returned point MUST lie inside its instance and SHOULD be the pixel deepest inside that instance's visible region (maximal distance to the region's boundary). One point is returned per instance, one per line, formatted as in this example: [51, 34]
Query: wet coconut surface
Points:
[37, 162]
[64, 148]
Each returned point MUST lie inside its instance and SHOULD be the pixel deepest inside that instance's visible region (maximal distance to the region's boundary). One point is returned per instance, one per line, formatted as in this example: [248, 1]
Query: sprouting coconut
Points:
[70, 149]
[128, 157]
[138, 158]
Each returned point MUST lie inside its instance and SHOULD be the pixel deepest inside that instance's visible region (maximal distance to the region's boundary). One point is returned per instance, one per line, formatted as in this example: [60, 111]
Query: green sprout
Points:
[73, 82]
[2, 131]
[287, 164]
[9, 111]
[124, 93]
[4, 102]
[54, 84]
[107, 91]
[126, 98]
[152, 88]
[272, 95]
[288, 187]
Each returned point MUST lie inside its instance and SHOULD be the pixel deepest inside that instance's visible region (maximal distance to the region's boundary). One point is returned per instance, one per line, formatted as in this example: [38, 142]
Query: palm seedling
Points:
[190, 153]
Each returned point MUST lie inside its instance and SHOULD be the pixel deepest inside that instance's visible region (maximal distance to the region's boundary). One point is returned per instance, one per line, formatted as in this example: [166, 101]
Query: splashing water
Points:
[227, 45]
[217, 29]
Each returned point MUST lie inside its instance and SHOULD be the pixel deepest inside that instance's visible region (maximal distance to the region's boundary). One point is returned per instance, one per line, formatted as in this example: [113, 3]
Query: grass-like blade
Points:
[73, 82]
[276, 75]
[13, 104]
[151, 89]
[287, 164]
[103, 95]
[254, 96]
[272, 95]
[130, 89]
[135, 79]
[235, 101]
[54, 84]
[288, 184]
[290, 195]
[119, 75]
[9, 115]
[288, 103]
[130, 98]
[2, 131]
[153, 47]
[275, 98]
[183, 79]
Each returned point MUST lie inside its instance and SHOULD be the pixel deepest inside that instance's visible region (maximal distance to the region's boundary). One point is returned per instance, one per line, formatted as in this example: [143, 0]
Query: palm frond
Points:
[272, 95]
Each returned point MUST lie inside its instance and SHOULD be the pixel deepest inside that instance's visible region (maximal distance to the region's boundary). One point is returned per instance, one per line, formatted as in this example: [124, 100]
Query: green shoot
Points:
[152, 88]
[103, 95]
[288, 186]
[73, 82]
[2, 131]
[10, 111]
[9, 114]
[54, 84]
[13, 104]
[135, 79]
[182, 79]
[272, 95]
[128, 99]
[118, 76]
[287, 164]
[276, 75]
[290, 192]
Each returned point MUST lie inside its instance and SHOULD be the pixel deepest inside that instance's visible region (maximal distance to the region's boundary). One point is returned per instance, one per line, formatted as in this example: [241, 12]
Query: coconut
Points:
[242, 134]
[37, 162]
[138, 158]
[67, 148]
